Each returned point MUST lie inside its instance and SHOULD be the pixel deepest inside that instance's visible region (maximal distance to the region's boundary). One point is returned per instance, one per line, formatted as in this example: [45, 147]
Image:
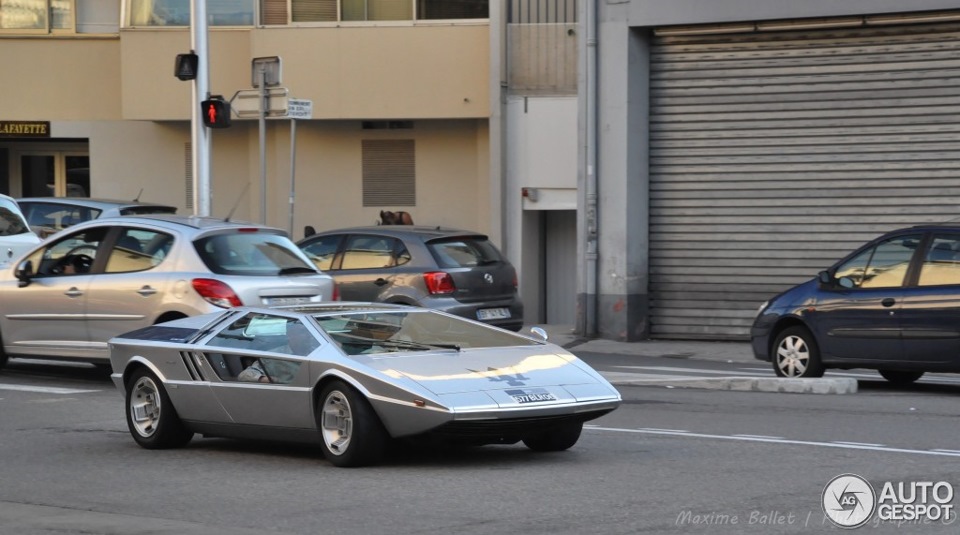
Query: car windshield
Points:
[464, 252]
[11, 221]
[252, 253]
[417, 330]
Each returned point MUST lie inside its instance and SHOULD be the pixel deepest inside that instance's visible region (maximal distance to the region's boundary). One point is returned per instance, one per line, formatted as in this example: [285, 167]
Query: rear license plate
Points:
[275, 301]
[531, 396]
[493, 313]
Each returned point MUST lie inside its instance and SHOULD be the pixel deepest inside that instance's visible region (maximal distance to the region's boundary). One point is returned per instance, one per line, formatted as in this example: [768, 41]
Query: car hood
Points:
[482, 369]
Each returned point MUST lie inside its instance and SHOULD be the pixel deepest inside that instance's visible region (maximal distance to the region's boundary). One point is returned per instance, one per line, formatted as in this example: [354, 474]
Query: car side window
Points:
[882, 266]
[322, 250]
[72, 255]
[941, 265]
[368, 252]
[138, 250]
[261, 332]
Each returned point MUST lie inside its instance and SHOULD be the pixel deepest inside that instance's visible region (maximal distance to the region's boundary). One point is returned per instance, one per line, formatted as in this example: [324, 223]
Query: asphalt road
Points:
[670, 460]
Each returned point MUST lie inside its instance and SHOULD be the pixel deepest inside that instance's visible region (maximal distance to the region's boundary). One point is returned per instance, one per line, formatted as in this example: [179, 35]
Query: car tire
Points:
[556, 439]
[151, 418]
[351, 431]
[796, 354]
[900, 377]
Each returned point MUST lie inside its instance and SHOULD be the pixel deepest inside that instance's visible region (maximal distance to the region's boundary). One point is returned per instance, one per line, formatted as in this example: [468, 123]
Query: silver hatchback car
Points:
[69, 296]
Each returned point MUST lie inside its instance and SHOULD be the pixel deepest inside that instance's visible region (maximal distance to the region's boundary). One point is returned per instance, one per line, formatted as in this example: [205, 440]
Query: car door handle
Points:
[73, 292]
[380, 282]
[888, 302]
[146, 291]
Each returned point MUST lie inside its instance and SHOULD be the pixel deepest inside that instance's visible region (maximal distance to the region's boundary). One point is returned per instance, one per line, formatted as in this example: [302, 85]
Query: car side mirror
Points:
[539, 332]
[24, 273]
[824, 277]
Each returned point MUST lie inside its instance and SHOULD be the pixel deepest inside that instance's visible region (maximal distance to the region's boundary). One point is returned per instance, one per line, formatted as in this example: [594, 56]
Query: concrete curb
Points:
[834, 385]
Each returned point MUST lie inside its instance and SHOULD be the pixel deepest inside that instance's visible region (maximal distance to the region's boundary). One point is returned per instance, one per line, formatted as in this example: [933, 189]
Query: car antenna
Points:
[137, 198]
[236, 204]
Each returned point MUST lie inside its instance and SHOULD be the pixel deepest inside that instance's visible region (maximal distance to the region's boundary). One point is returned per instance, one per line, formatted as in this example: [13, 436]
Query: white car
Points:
[16, 238]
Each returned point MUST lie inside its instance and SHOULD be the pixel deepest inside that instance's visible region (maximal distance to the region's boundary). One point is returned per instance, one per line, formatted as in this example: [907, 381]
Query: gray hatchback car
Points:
[457, 271]
[68, 296]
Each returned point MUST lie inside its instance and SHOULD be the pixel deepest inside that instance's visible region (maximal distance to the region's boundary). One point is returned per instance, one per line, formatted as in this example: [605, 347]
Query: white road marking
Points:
[858, 443]
[694, 370]
[45, 389]
[758, 436]
[854, 446]
[668, 430]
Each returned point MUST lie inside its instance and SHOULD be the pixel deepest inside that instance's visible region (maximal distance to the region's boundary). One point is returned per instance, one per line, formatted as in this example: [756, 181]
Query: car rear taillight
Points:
[439, 282]
[216, 293]
[336, 292]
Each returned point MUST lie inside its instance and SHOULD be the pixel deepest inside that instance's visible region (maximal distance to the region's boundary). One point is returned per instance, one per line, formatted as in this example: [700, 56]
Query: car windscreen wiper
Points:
[296, 269]
[421, 345]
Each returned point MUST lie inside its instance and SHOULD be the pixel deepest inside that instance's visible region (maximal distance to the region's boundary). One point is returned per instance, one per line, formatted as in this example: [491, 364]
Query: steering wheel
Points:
[75, 261]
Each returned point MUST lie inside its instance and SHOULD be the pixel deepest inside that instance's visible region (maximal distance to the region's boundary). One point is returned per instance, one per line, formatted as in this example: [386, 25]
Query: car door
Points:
[930, 316]
[859, 318]
[131, 285]
[366, 267]
[262, 340]
[47, 314]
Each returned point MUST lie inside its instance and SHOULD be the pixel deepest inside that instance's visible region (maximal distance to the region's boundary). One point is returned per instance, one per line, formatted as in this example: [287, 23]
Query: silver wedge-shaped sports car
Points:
[351, 377]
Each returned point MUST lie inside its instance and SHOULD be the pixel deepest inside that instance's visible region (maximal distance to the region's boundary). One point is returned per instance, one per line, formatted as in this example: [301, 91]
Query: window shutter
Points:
[389, 172]
[314, 10]
[273, 12]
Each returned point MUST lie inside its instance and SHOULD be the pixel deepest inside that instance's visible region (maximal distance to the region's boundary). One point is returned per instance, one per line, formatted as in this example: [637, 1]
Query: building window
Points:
[177, 12]
[274, 12]
[38, 16]
[389, 172]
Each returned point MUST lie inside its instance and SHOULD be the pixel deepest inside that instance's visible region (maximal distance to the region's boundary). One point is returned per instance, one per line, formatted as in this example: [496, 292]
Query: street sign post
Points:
[246, 102]
[296, 109]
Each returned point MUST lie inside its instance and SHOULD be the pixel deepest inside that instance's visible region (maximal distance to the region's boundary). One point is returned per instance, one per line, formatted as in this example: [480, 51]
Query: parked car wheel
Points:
[900, 377]
[557, 439]
[352, 432]
[151, 418]
[795, 354]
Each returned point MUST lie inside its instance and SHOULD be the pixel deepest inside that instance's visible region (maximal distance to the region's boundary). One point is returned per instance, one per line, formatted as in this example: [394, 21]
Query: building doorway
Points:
[44, 173]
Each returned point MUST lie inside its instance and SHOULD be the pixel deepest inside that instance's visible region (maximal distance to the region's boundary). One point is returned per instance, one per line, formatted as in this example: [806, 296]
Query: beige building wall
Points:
[366, 72]
[60, 79]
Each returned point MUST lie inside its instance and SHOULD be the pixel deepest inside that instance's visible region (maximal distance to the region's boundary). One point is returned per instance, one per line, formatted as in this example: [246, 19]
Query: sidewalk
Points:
[732, 352]
[563, 335]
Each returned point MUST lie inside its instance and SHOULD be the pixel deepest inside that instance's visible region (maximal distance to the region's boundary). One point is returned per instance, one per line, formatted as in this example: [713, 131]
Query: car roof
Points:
[425, 232]
[92, 202]
[171, 220]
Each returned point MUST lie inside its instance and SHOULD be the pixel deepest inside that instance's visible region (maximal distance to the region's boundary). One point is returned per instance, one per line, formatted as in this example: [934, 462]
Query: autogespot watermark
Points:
[850, 501]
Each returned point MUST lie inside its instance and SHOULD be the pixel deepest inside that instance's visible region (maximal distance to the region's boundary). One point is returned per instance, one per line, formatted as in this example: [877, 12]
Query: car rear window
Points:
[252, 253]
[11, 221]
[464, 252]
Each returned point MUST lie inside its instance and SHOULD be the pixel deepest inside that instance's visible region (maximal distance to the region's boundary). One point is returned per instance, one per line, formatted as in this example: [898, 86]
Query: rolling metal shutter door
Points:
[772, 155]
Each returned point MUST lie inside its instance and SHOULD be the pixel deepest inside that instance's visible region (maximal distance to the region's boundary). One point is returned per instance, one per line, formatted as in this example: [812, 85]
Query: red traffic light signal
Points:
[215, 113]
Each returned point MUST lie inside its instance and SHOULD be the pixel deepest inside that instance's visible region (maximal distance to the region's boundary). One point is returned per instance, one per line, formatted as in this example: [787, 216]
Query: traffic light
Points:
[215, 112]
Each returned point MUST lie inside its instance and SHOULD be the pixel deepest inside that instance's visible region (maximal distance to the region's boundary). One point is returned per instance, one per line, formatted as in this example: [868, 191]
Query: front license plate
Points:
[276, 301]
[531, 396]
[493, 313]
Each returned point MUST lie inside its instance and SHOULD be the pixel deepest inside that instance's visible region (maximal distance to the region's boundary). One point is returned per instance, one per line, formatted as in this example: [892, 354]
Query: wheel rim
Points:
[337, 422]
[145, 406]
[793, 356]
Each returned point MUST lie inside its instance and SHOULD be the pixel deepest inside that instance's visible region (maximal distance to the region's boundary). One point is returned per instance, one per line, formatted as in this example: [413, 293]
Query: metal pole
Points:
[263, 144]
[200, 134]
[293, 168]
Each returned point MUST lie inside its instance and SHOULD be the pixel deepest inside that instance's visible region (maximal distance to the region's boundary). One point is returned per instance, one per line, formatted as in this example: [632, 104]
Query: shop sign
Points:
[24, 129]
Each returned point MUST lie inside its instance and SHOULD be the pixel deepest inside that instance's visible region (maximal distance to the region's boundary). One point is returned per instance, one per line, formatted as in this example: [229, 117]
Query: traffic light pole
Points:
[263, 144]
[200, 134]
